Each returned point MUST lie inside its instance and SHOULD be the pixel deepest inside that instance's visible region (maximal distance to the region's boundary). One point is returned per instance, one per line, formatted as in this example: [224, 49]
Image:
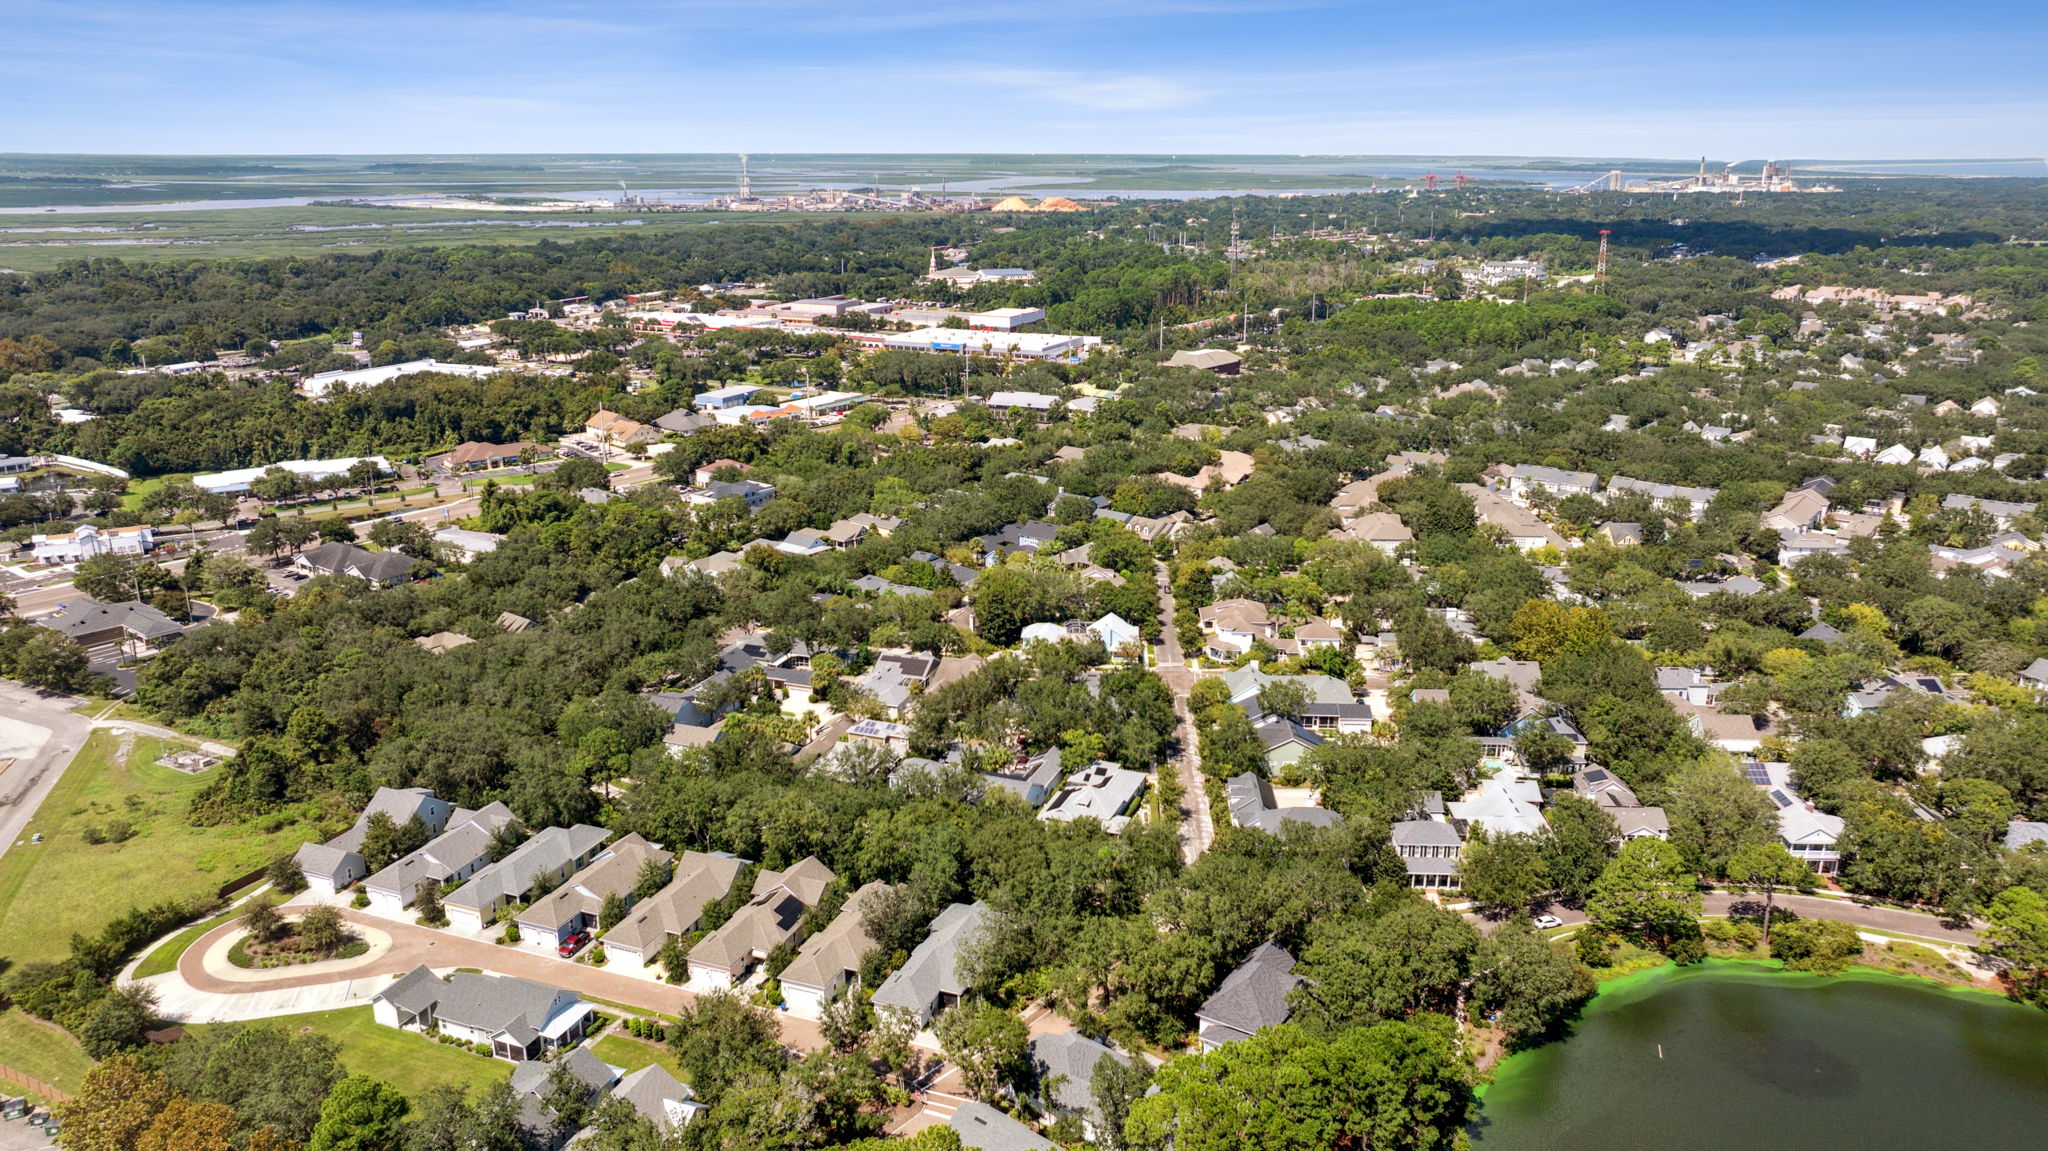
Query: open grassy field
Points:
[622, 1050]
[407, 1060]
[65, 884]
[33, 1047]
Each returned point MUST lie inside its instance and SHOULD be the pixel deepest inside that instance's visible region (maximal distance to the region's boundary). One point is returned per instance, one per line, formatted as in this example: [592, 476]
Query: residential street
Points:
[412, 946]
[1197, 829]
[1891, 919]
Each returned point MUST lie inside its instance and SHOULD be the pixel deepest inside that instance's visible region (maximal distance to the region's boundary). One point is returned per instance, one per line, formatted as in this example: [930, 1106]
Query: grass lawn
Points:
[32, 1047]
[138, 490]
[65, 885]
[407, 1060]
[622, 1050]
[165, 958]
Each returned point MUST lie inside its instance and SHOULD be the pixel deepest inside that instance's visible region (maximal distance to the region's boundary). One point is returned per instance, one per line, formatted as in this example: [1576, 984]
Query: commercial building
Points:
[237, 481]
[1018, 345]
[326, 383]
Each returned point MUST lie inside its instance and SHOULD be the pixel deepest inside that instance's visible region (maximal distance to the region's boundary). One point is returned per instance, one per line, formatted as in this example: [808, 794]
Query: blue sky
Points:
[1736, 79]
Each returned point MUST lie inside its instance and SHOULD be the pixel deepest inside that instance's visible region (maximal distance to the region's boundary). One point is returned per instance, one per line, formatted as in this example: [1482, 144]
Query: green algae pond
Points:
[1742, 1056]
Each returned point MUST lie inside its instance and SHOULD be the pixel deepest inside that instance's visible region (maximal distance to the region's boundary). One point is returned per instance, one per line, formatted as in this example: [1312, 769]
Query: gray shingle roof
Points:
[933, 967]
[983, 1128]
[512, 876]
[487, 1003]
[828, 955]
[1253, 996]
[699, 878]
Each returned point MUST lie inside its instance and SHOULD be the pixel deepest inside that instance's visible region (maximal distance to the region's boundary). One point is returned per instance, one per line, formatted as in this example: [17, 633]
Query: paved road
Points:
[1892, 919]
[40, 733]
[413, 945]
[1197, 831]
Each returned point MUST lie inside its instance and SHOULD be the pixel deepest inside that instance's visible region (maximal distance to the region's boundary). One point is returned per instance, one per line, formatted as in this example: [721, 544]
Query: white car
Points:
[1546, 922]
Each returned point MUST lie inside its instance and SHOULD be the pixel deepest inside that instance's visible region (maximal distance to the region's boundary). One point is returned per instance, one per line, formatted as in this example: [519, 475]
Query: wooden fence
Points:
[30, 1082]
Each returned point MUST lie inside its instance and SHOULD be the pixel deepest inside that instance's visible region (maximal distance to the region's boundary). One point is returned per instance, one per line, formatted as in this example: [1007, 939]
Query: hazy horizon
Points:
[1213, 77]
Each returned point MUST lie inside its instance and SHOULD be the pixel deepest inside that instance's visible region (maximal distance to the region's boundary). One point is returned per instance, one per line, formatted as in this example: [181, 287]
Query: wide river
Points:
[1738, 1057]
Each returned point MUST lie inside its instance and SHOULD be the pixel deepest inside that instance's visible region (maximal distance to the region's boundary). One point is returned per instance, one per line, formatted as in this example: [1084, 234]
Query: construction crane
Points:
[1461, 180]
[1429, 181]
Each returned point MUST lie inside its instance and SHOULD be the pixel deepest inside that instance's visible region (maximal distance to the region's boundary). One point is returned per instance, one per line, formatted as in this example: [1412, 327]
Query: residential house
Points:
[535, 1091]
[1695, 499]
[983, 1128]
[2035, 675]
[1284, 741]
[2021, 834]
[1686, 683]
[658, 1097]
[1503, 805]
[673, 912]
[771, 918]
[896, 679]
[1328, 697]
[1800, 510]
[752, 493]
[1518, 524]
[1383, 530]
[2002, 512]
[542, 861]
[1430, 849]
[1526, 480]
[518, 1019]
[338, 559]
[1631, 819]
[1810, 834]
[1102, 791]
[829, 962]
[1738, 734]
[1234, 625]
[1066, 1061]
[1025, 537]
[1252, 804]
[329, 867]
[575, 906]
[1117, 634]
[1031, 780]
[447, 859]
[929, 981]
[1251, 997]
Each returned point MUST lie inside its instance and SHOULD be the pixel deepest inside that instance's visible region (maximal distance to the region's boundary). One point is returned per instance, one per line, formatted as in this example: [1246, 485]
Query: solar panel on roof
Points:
[1778, 797]
[1596, 776]
[1757, 774]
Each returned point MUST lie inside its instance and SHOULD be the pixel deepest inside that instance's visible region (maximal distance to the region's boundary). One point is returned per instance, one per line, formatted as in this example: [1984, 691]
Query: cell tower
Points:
[746, 185]
[1234, 250]
[1600, 261]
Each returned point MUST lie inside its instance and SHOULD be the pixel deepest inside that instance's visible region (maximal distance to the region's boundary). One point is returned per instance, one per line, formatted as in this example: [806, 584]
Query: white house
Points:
[447, 859]
[518, 1019]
